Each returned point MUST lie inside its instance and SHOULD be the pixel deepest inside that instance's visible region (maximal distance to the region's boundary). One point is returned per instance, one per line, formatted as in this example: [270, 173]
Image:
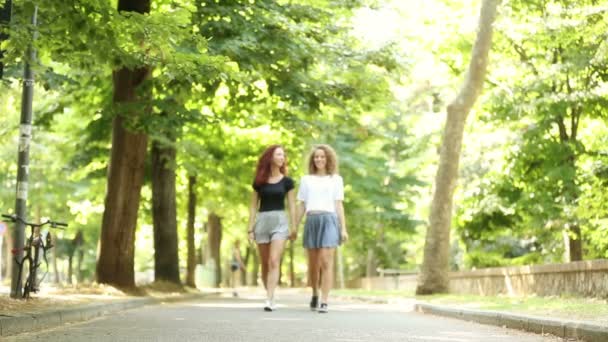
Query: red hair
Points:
[262, 171]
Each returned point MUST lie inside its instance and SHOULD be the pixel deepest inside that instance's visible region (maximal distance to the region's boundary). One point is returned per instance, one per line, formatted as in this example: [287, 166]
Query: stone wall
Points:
[582, 279]
[389, 282]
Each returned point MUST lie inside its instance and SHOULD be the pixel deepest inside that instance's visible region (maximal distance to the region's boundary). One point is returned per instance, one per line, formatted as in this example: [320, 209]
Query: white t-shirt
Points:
[320, 193]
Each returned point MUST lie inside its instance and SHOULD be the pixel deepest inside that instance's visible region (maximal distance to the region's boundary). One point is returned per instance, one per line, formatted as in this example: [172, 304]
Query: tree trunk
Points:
[115, 264]
[8, 244]
[70, 266]
[246, 265]
[191, 261]
[215, 241]
[281, 270]
[56, 277]
[74, 247]
[370, 269]
[340, 268]
[79, 258]
[256, 269]
[164, 213]
[575, 243]
[292, 271]
[435, 267]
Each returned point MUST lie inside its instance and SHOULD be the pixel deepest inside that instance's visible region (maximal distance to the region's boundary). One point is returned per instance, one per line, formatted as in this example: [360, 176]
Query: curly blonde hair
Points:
[330, 155]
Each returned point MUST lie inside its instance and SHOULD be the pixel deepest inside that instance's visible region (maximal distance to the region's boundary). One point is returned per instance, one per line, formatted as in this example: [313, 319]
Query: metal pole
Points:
[5, 19]
[25, 136]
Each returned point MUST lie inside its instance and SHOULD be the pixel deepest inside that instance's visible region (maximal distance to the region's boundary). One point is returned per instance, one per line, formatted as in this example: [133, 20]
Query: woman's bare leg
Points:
[274, 262]
[264, 250]
[327, 271]
[313, 269]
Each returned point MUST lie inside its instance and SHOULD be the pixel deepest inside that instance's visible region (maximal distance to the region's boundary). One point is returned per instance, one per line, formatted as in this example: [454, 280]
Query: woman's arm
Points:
[291, 204]
[340, 212]
[253, 209]
[301, 210]
[301, 206]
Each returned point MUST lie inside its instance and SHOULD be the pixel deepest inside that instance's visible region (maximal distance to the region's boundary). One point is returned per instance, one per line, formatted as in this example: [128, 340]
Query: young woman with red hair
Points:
[268, 222]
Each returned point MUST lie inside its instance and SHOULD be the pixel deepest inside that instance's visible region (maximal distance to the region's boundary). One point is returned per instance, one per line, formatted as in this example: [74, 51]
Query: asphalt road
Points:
[222, 318]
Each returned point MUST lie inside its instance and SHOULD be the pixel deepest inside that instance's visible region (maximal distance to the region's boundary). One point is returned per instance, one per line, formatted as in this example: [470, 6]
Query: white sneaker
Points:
[269, 306]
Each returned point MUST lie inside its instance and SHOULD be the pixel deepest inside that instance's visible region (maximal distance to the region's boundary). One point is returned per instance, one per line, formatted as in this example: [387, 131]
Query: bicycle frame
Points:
[33, 241]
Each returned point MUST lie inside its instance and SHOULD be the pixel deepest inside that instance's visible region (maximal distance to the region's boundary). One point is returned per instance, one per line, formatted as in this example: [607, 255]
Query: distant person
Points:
[268, 221]
[235, 265]
[320, 197]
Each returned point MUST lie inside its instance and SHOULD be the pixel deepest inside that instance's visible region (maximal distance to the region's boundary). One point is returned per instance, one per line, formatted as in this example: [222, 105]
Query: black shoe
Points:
[322, 308]
[314, 302]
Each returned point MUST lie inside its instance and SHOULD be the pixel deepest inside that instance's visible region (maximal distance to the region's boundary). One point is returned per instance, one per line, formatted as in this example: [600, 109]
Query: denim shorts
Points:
[271, 225]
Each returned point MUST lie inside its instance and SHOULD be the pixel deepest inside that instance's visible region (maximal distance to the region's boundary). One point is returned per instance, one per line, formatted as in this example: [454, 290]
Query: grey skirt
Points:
[321, 231]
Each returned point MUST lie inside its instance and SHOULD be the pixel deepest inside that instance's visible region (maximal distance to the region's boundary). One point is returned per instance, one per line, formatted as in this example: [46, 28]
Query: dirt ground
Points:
[54, 297]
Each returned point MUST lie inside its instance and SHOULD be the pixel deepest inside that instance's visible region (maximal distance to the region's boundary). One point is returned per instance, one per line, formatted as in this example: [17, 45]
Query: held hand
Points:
[344, 235]
[250, 236]
[293, 235]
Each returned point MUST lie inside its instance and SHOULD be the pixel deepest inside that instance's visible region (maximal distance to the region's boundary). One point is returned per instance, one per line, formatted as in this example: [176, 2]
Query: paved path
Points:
[222, 318]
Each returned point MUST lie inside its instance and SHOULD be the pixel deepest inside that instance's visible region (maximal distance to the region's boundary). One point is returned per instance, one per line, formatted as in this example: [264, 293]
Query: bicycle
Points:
[33, 244]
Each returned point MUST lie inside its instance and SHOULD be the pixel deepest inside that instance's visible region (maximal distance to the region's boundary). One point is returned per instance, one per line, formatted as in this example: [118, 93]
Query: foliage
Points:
[370, 78]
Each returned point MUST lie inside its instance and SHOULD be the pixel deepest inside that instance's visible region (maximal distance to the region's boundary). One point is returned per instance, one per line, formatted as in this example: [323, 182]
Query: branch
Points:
[563, 133]
[575, 119]
[499, 85]
[523, 56]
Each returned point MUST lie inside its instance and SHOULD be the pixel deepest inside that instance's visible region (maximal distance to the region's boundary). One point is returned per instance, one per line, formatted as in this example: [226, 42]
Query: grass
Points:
[589, 309]
[574, 308]
[372, 293]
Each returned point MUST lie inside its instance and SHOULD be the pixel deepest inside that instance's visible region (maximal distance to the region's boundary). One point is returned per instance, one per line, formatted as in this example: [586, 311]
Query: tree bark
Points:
[57, 278]
[79, 258]
[164, 213]
[191, 262]
[115, 264]
[70, 267]
[575, 243]
[370, 267]
[256, 269]
[215, 242]
[74, 247]
[246, 265]
[571, 191]
[8, 264]
[435, 267]
[339, 268]
[292, 271]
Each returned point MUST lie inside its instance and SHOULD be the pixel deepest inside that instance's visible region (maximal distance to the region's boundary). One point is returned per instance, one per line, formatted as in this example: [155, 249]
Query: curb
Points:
[561, 328]
[51, 319]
